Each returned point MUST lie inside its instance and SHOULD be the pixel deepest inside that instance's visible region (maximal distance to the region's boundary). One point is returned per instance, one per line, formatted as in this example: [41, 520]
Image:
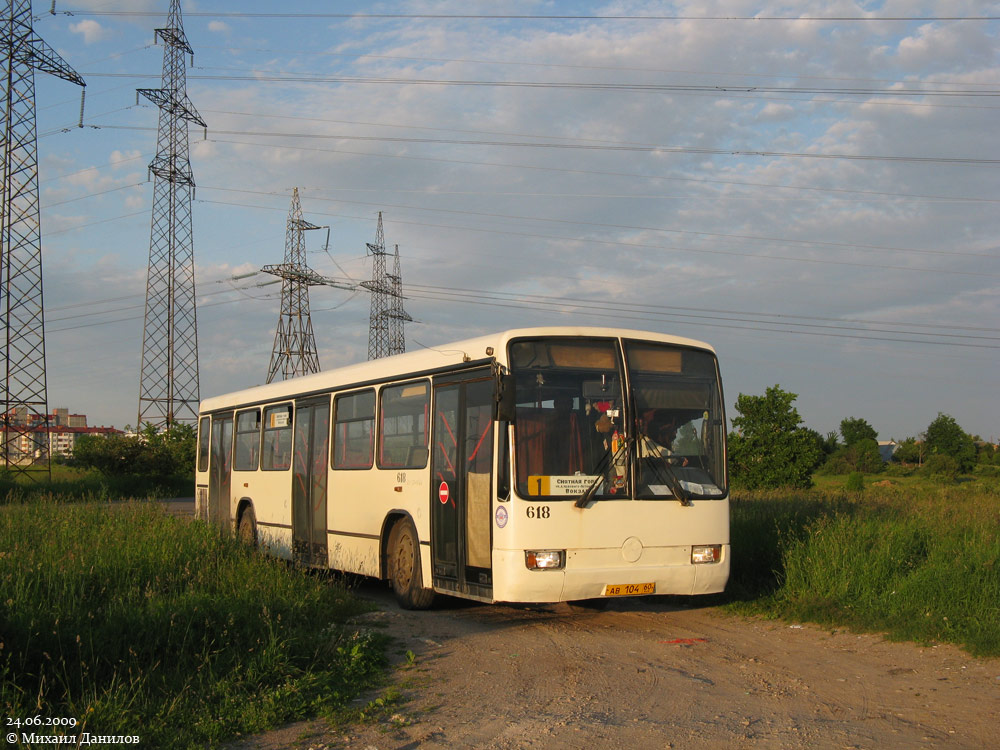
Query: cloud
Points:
[92, 31]
[218, 27]
[709, 242]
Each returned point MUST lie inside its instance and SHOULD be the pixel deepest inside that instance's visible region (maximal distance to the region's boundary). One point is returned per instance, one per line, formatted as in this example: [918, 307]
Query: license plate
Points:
[628, 589]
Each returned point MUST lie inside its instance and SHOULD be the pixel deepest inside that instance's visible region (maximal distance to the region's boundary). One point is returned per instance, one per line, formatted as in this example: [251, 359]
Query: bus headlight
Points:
[706, 553]
[544, 559]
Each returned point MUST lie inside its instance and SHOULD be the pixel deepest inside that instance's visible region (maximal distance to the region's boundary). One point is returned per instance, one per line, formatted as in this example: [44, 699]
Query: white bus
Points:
[533, 465]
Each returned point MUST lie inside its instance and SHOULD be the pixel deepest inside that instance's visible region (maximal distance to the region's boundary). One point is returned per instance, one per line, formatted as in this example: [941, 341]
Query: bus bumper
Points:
[588, 571]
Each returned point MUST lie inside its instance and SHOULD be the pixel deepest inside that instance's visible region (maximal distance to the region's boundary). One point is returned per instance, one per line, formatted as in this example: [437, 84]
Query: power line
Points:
[299, 118]
[628, 227]
[714, 314]
[678, 308]
[526, 17]
[660, 88]
[654, 149]
[603, 173]
[704, 317]
[572, 66]
[603, 311]
[642, 246]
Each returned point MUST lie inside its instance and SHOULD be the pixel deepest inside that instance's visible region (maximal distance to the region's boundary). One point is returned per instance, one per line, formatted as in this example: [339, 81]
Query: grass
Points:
[135, 622]
[914, 559]
[69, 483]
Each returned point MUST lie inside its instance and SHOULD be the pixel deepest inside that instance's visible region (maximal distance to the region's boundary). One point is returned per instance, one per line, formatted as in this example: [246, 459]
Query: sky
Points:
[810, 187]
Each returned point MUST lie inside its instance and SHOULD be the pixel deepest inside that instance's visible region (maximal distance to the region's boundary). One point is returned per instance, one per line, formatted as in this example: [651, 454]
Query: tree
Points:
[770, 448]
[910, 451]
[945, 438]
[150, 453]
[855, 430]
[862, 456]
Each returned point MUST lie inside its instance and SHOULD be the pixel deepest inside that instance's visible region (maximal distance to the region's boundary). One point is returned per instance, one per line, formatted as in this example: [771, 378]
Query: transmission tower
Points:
[397, 315]
[378, 323]
[386, 318]
[294, 350]
[168, 379]
[25, 410]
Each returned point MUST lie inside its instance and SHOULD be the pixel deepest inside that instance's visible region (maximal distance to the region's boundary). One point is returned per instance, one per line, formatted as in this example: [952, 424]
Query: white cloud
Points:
[218, 27]
[92, 31]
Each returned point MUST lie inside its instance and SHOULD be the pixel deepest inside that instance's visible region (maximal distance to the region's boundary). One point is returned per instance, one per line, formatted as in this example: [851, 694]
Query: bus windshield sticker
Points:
[560, 485]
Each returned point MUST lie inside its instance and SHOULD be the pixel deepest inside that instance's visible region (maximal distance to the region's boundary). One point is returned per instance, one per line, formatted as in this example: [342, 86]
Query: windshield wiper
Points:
[606, 460]
[664, 471]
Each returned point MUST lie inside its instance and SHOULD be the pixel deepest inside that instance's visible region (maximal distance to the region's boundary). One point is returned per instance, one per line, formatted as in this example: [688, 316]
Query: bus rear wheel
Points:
[404, 567]
[247, 530]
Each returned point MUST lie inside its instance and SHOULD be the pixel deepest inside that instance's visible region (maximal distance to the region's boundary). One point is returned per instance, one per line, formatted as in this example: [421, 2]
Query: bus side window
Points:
[247, 440]
[204, 442]
[402, 439]
[353, 430]
[276, 448]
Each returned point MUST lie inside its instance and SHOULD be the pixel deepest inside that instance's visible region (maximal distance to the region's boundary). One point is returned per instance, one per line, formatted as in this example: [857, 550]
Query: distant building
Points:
[63, 432]
[886, 449]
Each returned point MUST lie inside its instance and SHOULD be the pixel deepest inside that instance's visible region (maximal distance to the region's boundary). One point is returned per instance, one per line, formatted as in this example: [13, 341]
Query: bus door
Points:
[461, 545]
[310, 469]
[220, 470]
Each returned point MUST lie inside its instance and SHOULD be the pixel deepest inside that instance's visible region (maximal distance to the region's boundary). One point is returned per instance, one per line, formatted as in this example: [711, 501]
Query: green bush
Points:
[941, 468]
[855, 482]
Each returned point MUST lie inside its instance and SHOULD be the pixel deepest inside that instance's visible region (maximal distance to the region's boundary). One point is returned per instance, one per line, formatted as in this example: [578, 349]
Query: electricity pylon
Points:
[397, 315]
[294, 351]
[25, 409]
[168, 379]
[386, 316]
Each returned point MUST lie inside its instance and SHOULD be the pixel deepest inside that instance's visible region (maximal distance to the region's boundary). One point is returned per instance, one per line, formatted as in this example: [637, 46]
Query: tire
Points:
[598, 604]
[247, 531]
[404, 567]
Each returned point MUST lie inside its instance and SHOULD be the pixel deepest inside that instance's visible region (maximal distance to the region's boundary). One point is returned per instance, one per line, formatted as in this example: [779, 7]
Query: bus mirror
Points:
[605, 389]
[506, 403]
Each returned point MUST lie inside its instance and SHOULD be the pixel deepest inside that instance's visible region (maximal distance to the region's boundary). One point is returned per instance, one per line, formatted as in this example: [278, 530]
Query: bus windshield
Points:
[569, 426]
[575, 432]
[678, 421]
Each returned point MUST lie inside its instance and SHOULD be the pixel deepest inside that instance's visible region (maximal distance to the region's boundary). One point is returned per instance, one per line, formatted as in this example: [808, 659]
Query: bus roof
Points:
[423, 360]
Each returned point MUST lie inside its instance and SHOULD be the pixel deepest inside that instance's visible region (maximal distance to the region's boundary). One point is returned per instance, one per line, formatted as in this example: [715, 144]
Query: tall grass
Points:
[134, 622]
[68, 484]
[918, 562]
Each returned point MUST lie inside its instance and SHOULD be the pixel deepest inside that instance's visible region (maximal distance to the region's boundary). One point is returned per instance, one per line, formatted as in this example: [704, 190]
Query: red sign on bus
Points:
[443, 493]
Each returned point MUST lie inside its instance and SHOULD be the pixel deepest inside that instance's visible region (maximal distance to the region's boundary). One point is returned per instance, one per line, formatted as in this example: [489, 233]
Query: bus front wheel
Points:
[404, 567]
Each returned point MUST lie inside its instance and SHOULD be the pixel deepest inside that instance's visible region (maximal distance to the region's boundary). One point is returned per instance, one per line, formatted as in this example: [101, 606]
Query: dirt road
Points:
[649, 674]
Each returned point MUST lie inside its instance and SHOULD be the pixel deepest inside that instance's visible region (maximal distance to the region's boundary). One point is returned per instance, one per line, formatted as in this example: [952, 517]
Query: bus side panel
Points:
[359, 501]
[270, 493]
